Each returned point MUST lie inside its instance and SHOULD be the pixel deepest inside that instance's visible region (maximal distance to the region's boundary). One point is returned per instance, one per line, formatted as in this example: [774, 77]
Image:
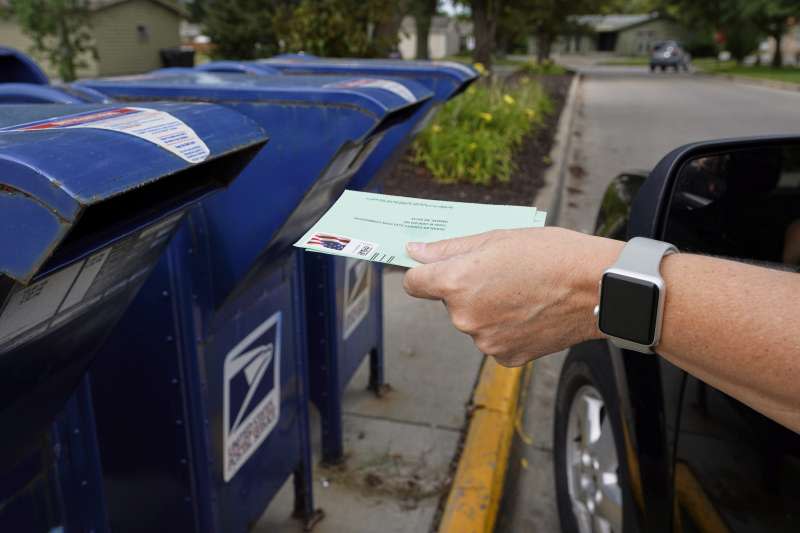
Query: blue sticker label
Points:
[251, 400]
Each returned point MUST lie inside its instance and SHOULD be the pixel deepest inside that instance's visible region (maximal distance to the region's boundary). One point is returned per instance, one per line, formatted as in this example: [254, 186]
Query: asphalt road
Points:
[626, 119]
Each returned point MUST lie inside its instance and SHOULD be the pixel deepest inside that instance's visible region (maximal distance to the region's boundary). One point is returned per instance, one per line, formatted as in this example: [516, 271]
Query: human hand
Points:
[519, 294]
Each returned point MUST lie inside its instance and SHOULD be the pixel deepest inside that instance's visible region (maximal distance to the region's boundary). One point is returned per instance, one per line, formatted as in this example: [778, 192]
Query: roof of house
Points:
[171, 5]
[610, 23]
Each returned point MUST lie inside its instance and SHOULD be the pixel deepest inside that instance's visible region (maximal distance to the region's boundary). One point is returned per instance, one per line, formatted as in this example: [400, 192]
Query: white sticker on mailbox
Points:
[357, 285]
[455, 65]
[152, 125]
[388, 85]
[34, 310]
[251, 395]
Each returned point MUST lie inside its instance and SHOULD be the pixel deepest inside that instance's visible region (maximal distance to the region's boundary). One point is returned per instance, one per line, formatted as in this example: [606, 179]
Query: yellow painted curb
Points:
[478, 485]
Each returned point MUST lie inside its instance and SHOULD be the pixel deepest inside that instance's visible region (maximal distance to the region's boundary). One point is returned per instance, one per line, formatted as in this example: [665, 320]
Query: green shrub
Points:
[473, 137]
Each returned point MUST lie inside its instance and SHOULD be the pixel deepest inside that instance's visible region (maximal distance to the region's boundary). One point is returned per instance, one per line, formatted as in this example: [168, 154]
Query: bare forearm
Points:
[735, 326]
[522, 294]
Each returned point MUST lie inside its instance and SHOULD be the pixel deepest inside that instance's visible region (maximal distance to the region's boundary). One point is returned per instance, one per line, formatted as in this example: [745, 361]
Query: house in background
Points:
[448, 36]
[127, 34]
[624, 35]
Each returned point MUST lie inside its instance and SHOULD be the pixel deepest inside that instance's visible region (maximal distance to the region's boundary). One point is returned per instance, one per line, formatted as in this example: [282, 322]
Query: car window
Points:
[737, 204]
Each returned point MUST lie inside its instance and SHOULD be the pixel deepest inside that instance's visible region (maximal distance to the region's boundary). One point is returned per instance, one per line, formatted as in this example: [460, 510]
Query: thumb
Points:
[433, 252]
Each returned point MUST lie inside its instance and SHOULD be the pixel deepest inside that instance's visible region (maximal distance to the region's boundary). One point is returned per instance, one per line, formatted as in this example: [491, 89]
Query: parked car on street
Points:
[639, 444]
[669, 54]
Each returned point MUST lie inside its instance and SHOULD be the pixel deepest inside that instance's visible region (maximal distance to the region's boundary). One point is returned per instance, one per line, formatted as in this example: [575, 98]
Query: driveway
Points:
[626, 119]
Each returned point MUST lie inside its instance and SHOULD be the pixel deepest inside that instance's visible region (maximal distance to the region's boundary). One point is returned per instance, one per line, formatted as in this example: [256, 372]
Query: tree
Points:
[726, 17]
[59, 30]
[550, 18]
[423, 11]
[771, 17]
[485, 14]
[358, 28]
[242, 29]
[197, 10]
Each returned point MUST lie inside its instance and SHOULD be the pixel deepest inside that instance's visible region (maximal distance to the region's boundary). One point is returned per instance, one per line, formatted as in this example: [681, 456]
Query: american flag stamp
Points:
[339, 244]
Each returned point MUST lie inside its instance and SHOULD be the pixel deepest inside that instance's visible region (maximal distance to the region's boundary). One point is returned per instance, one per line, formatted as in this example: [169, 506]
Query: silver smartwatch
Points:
[632, 296]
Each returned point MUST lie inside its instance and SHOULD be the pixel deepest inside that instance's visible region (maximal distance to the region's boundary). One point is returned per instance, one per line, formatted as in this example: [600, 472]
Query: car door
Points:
[734, 469]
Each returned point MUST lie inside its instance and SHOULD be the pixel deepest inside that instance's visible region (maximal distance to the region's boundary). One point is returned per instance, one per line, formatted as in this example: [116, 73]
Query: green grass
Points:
[712, 66]
[467, 60]
[473, 137]
[627, 61]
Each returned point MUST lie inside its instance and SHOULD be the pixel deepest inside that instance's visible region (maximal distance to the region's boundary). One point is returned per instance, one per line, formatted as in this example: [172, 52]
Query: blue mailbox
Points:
[349, 293]
[16, 67]
[227, 396]
[89, 198]
[30, 93]
[445, 79]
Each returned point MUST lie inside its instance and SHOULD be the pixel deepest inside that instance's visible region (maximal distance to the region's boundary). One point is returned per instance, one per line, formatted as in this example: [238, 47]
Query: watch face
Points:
[628, 308]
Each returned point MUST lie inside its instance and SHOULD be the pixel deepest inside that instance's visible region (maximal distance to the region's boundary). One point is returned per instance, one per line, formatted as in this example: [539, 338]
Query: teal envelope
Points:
[376, 227]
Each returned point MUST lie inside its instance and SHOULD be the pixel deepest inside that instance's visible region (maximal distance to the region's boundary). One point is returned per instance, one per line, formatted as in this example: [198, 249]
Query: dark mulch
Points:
[531, 162]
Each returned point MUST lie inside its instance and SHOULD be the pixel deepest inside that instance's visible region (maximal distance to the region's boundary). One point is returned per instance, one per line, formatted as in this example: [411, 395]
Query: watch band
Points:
[644, 255]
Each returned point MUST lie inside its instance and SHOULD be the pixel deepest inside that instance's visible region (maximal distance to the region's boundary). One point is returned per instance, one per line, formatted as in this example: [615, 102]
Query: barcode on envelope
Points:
[364, 250]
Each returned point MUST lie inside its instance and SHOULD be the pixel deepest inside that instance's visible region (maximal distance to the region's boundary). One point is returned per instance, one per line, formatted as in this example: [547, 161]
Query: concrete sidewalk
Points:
[399, 447]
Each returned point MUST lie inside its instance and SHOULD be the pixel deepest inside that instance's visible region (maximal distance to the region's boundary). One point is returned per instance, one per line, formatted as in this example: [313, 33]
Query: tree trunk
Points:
[387, 30]
[423, 32]
[67, 59]
[777, 57]
[544, 44]
[484, 22]
[425, 11]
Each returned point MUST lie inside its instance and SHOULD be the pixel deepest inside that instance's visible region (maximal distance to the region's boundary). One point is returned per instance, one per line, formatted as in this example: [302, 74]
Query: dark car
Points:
[639, 444]
[669, 54]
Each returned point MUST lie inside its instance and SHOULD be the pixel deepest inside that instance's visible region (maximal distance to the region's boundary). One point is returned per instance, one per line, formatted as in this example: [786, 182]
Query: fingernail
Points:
[415, 247]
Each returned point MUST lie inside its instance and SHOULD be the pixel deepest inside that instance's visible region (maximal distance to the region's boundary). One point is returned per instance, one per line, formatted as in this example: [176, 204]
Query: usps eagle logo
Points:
[251, 395]
[331, 242]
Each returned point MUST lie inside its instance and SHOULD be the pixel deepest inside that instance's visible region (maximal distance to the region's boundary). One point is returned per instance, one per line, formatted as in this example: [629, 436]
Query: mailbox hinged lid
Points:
[63, 166]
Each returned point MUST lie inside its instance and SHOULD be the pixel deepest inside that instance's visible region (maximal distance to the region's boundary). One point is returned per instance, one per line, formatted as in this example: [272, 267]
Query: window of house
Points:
[142, 33]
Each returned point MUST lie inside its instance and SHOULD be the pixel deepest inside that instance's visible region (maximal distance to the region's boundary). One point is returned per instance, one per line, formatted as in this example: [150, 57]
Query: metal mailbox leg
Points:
[303, 476]
[377, 380]
[331, 408]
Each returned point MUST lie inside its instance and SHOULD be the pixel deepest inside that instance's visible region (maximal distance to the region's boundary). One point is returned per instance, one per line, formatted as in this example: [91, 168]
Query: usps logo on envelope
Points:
[251, 402]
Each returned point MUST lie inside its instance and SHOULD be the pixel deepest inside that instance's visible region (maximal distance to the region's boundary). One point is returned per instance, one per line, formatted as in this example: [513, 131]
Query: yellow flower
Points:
[486, 116]
[507, 98]
[530, 112]
[480, 68]
[473, 146]
[436, 128]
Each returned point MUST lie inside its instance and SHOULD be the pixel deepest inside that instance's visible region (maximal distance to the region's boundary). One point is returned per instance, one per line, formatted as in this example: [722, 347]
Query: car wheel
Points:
[663, 68]
[590, 471]
[652, 68]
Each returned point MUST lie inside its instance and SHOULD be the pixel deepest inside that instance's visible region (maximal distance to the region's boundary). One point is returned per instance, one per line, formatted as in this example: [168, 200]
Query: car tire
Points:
[652, 68]
[663, 68]
[596, 490]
